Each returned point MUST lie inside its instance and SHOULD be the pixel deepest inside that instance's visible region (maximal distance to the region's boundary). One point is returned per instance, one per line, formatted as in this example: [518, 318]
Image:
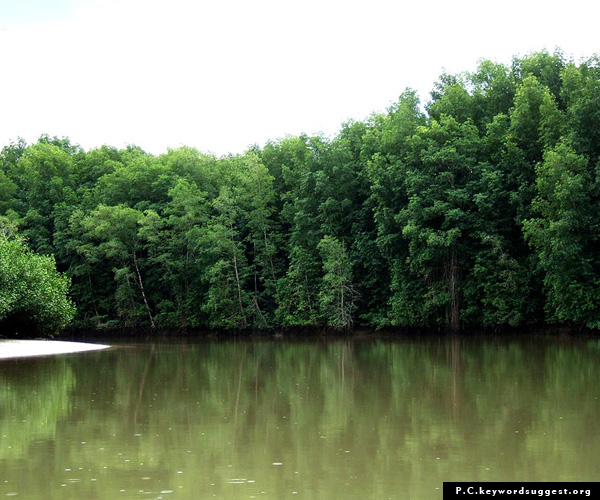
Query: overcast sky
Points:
[221, 75]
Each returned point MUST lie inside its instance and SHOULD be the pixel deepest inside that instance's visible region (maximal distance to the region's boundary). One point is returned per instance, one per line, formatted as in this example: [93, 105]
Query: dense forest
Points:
[477, 208]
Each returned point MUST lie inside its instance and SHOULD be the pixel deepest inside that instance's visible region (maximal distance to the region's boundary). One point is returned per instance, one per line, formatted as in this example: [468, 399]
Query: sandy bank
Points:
[26, 348]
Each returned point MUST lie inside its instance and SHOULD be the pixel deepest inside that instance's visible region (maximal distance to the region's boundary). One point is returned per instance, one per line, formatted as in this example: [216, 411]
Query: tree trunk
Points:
[237, 279]
[141, 283]
[269, 254]
[454, 286]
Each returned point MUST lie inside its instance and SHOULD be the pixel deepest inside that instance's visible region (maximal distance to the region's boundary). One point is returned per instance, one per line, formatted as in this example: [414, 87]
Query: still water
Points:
[271, 419]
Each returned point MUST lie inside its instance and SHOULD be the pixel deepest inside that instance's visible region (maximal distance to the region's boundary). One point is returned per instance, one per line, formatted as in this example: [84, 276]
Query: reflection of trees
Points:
[34, 396]
[352, 419]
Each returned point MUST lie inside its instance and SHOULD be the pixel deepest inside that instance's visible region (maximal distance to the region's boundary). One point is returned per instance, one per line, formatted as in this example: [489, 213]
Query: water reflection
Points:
[339, 419]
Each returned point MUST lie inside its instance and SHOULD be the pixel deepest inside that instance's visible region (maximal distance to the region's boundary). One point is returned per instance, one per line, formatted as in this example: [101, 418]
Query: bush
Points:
[33, 294]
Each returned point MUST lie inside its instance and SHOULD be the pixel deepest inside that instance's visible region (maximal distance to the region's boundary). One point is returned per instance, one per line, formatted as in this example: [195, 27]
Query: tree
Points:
[111, 237]
[497, 289]
[139, 181]
[438, 219]
[7, 191]
[227, 271]
[536, 122]
[545, 67]
[44, 174]
[493, 92]
[581, 94]
[33, 295]
[564, 232]
[337, 297]
[178, 261]
[387, 145]
[297, 291]
[468, 213]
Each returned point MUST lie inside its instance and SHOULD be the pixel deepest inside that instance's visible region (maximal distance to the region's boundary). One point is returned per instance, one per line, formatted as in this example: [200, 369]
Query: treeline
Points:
[478, 209]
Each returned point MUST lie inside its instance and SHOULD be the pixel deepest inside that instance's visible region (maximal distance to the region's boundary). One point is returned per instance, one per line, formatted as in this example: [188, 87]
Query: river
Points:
[314, 419]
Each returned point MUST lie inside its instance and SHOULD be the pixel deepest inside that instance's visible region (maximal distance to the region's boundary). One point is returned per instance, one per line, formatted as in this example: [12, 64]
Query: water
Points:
[313, 420]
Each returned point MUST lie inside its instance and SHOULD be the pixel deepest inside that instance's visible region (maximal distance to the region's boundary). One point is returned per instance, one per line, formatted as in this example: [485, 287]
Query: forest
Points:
[478, 208]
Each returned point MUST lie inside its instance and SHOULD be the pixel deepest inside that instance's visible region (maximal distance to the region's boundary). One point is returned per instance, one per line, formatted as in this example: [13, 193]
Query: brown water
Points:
[313, 420]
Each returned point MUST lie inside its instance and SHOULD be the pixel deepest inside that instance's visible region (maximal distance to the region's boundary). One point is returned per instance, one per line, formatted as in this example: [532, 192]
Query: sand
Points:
[26, 348]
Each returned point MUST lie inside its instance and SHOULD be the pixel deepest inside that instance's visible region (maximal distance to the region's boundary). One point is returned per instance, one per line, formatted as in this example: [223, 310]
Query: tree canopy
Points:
[476, 208]
[33, 295]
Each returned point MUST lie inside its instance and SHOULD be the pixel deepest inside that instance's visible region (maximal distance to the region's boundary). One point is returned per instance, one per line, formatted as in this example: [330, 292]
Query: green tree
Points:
[110, 237]
[297, 291]
[581, 94]
[227, 271]
[536, 122]
[563, 233]
[44, 174]
[545, 67]
[338, 296]
[178, 261]
[493, 92]
[497, 289]
[33, 295]
[438, 219]
[7, 192]
[139, 181]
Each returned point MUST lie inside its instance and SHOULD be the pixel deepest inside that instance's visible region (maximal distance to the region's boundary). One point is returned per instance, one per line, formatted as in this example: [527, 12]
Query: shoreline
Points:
[12, 349]
[298, 333]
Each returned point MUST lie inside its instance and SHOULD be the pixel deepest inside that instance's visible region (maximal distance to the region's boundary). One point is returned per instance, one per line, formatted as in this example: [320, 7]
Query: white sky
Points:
[221, 75]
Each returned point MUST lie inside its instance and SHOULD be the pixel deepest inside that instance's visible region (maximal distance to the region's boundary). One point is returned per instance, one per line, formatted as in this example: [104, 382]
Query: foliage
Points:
[338, 296]
[563, 235]
[476, 209]
[33, 295]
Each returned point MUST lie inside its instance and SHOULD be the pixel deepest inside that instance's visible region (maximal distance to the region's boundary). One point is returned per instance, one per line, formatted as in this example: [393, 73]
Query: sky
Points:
[222, 75]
